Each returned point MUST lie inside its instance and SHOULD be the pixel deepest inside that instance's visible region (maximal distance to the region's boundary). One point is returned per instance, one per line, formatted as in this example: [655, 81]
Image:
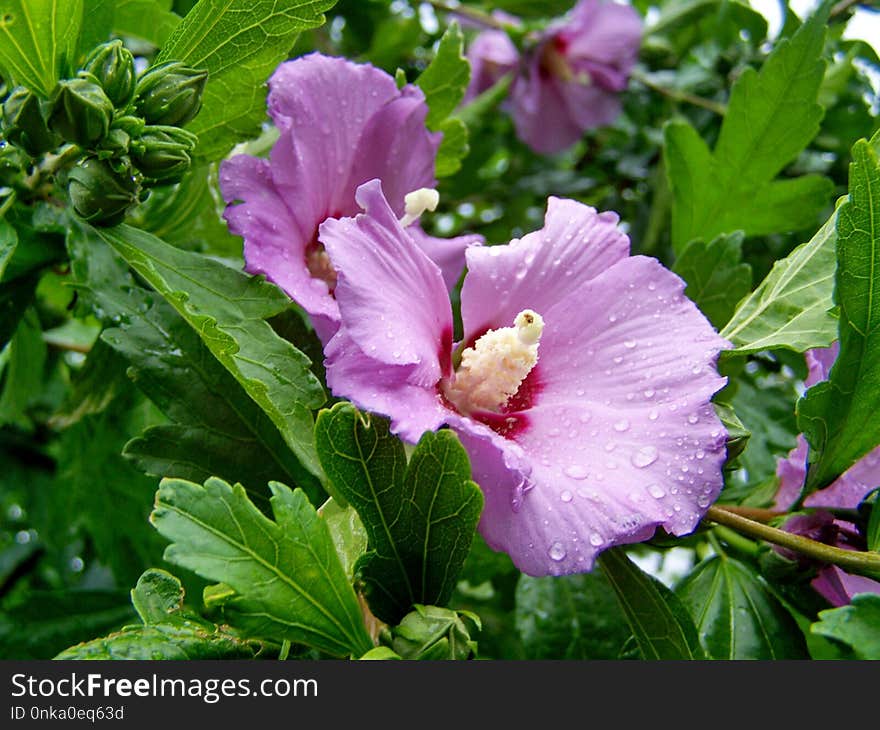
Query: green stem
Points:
[736, 541]
[676, 95]
[861, 563]
[463, 11]
[844, 5]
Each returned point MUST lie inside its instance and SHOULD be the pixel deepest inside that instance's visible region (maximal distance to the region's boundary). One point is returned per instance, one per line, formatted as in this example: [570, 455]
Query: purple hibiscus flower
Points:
[570, 80]
[581, 388]
[836, 585]
[340, 125]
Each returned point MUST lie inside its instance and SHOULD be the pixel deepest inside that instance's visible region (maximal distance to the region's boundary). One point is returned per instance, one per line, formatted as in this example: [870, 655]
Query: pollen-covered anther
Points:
[494, 368]
[417, 202]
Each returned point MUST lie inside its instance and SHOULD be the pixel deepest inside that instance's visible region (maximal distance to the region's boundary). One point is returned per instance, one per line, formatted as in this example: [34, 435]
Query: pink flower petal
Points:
[391, 296]
[447, 253]
[543, 267]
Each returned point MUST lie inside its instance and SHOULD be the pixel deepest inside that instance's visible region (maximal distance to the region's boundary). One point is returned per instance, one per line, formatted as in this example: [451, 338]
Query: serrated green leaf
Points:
[179, 641]
[149, 20]
[736, 614]
[289, 581]
[570, 617]
[216, 429]
[662, 626]
[715, 275]
[8, 244]
[420, 518]
[38, 40]
[157, 595]
[792, 306]
[47, 622]
[839, 416]
[772, 115]
[239, 42]
[737, 434]
[856, 625]
[228, 310]
[444, 82]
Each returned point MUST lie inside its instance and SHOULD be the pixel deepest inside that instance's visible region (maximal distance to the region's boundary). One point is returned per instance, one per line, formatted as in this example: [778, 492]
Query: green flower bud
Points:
[80, 112]
[23, 122]
[431, 632]
[163, 153]
[111, 66]
[101, 191]
[170, 93]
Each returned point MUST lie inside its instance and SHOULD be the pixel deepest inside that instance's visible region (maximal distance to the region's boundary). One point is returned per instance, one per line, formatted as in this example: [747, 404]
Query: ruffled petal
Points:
[392, 297]
[622, 435]
[607, 33]
[397, 148]
[838, 587]
[540, 112]
[491, 55]
[542, 268]
[274, 243]
[381, 388]
[447, 253]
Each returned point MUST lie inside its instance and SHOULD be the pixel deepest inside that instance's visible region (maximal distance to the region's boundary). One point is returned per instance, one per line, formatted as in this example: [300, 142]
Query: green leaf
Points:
[188, 215]
[44, 622]
[839, 416]
[38, 40]
[737, 615]
[228, 310]
[102, 493]
[179, 640]
[8, 244]
[157, 595]
[872, 534]
[444, 82]
[216, 430]
[856, 625]
[772, 115]
[662, 626]
[715, 275]
[149, 20]
[239, 42]
[347, 532]
[570, 617]
[765, 406]
[420, 518]
[792, 306]
[23, 375]
[97, 24]
[289, 581]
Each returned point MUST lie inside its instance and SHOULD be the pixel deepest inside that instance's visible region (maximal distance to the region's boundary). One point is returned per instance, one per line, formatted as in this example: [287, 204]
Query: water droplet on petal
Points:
[596, 539]
[656, 491]
[566, 496]
[556, 551]
[629, 344]
[621, 426]
[576, 472]
[693, 418]
[645, 456]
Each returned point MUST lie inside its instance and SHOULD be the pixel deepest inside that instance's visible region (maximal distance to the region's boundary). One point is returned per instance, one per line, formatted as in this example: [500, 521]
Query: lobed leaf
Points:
[239, 42]
[420, 518]
[736, 614]
[288, 578]
[839, 416]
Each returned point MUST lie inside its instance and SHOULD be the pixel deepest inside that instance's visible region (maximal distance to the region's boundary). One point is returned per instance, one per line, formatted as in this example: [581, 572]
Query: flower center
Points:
[492, 371]
[319, 266]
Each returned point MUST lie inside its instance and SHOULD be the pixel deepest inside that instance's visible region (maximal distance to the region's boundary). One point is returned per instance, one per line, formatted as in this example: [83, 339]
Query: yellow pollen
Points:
[494, 368]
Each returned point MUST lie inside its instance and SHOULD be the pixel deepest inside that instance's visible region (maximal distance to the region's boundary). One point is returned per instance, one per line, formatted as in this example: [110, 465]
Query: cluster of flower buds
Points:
[127, 127]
